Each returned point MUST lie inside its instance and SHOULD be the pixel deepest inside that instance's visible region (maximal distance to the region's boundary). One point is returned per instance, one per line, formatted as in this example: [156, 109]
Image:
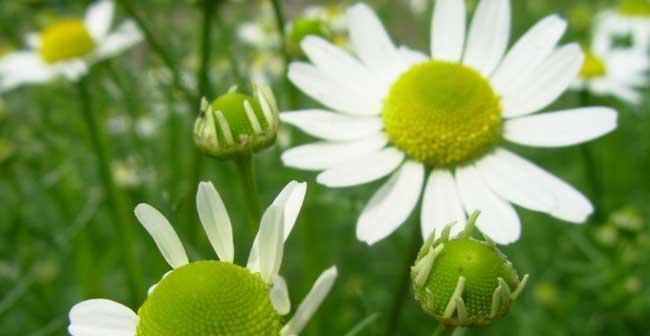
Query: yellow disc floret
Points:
[442, 114]
[65, 40]
[209, 298]
[593, 67]
[635, 8]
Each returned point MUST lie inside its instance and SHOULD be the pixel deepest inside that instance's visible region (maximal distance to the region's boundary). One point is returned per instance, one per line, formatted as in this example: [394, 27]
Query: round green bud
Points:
[464, 281]
[302, 28]
[209, 298]
[237, 124]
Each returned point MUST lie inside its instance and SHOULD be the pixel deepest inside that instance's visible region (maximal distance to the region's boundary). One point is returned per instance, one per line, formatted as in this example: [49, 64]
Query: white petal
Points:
[488, 36]
[339, 96]
[528, 53]
[411, 56]
[392, 204]
[99, 17]
[371, 42]
[163, 234]
[340, 64]
[564, 128]
[279, 296]
[546, 83]
[570, 204]
[448, 30]
[310, 304]
[290, 200]
[23, 67]
[271, 243]
[324, 155]
[362, 170]
[118, 41]
[441, 204]
[498, 219]
[333, 126]
[514, 183]
[102, 318]
[215, 221]
[73, 70]
[33, 40]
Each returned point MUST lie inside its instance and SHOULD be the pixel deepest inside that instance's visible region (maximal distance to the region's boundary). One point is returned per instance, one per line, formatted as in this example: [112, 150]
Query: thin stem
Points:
[402, 289]
[594, 176]
[246, 170]
[226, 34]
[443, 330]
[115, 201]
[292, 93]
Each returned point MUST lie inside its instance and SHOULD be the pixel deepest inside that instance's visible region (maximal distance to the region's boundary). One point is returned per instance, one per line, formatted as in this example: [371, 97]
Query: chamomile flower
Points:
[68, 48]
[213, 297]
[394, 111]
[619, 72]
[630, 20]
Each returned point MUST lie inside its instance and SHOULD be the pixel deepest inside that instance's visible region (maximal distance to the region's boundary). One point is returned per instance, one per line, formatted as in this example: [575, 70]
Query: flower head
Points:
[213, 297]
[394, 111]
[236, 124]
[630, 21]
[462, 281]
[68, 47]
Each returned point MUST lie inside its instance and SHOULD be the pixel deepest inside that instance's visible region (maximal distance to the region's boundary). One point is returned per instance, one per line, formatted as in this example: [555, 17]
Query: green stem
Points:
[291, 90]
[116, 203]
[443, 330]
[246, 170]
[402, 289]
[226, 34]
[594, 176]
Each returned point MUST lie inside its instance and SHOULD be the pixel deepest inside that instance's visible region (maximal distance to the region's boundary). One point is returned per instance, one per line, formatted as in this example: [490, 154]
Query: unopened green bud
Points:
[237, 124]
[462, 281]
[302, 28]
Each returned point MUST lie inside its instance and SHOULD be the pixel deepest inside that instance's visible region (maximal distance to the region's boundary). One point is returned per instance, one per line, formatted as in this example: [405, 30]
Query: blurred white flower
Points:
[418, 6]
[631, 20]
[68, 48]
[395, 111]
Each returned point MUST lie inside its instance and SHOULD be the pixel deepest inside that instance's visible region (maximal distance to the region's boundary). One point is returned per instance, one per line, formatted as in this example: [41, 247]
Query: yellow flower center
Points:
[65, 40]
[442, 114]
[209, 298]
[635, 7]
[593, 66]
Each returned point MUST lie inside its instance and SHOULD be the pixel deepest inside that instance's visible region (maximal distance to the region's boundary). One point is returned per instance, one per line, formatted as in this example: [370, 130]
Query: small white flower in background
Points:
[213, 297]
[262, 31]
[631, 20]
[68, 48]
[620, 72]
[394, 111]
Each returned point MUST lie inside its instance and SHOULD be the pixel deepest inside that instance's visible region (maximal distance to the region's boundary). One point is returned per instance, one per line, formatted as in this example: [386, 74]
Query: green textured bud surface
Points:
[232, 107]
[209, 298]
[442, 114]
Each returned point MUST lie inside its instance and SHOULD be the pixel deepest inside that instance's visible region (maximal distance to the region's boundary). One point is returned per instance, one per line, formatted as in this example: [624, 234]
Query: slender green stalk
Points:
[291, 91]
[443, 330]
[226, 40]
[115, 201]
[594, 176]
[246, 170]
[402, 289]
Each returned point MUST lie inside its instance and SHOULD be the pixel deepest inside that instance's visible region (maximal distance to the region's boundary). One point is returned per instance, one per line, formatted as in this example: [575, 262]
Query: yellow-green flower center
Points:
[593, 67]
[209, 298]
[65, 40]
[442, 114]
[635, 8]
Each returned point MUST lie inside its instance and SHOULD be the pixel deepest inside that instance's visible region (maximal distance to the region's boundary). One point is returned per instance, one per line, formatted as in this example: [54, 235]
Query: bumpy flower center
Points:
[481, 266]
[635, 8]
[442, 114]
[209, 298]
[65, 40]
[593, 66]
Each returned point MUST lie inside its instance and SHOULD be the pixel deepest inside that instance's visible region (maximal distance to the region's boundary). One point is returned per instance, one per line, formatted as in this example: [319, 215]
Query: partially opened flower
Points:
[630, 22]
[68, 47]
[213, 297]
[394, 111]
[620, 72]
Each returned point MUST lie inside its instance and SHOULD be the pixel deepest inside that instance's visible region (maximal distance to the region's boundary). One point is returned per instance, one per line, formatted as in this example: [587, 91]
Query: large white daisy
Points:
[393, 111]
[213, 297]
[68, 48]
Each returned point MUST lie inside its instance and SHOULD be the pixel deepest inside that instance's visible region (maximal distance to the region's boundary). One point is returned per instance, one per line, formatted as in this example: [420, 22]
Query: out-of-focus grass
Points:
[581, 283]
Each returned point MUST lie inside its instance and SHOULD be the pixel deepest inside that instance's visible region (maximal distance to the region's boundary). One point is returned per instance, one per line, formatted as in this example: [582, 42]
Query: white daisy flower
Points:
[394, 111]
[213, 297]
[68, 48]
[613, 71]
[630, 19]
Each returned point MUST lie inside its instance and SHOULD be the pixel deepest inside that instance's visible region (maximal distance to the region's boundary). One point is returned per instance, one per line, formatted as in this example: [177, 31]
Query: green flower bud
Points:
[462, 281]
[302, 28]
[237, 124]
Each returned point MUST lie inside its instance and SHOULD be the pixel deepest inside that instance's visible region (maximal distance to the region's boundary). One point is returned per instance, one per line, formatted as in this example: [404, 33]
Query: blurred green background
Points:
[592, 279]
